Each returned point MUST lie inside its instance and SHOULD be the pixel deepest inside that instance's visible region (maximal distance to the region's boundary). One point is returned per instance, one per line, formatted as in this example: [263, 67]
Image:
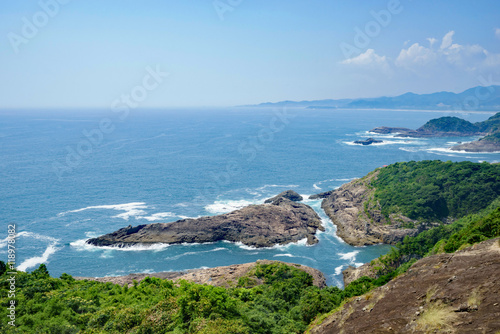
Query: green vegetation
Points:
[494, 138]
[462, 233]
[434, 190]
[449, 124]
[455, 124]
[492, 124]
[286, 303]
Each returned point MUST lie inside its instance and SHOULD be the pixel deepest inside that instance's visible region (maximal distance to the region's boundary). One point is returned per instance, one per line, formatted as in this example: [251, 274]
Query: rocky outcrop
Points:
[352, 273]
[422, 133]
[478, 146]
[321, 195]
[281, 222]
[358, 218]
[444, 293]
[288, 194]
[226, 276]
[368, 141]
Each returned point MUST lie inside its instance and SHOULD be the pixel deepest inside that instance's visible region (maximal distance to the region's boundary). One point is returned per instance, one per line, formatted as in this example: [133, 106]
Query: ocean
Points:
[69, 175]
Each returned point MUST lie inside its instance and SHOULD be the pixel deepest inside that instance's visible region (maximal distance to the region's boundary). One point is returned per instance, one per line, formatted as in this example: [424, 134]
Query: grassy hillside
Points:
[449, 124]
[434, 190]
[286, 303]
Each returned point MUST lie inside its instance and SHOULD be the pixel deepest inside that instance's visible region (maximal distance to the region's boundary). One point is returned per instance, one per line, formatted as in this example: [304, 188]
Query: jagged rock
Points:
[321, 195]
[288, 194]
[281, 222]
[368, 141]
[358, 225]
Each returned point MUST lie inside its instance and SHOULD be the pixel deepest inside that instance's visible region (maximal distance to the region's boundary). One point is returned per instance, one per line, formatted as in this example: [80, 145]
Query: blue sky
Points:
[89, 53]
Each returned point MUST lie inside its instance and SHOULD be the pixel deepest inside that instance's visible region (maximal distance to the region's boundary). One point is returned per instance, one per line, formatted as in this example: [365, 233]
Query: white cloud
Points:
[497, 32]
[465, 57]
[447, 40]
[432, 40]
[442, 57]
[415, 55]
[367, 58]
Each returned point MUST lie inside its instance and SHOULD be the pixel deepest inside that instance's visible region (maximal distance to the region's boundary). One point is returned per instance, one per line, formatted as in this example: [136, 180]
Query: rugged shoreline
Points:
[279, 222]
[360, 222]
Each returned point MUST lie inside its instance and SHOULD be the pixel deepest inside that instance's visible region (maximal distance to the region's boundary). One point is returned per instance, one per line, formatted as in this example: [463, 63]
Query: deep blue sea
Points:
[67, 176]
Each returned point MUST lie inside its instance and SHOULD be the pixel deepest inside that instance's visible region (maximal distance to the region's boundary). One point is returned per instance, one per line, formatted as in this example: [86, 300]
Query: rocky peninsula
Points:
[360, 222]
[455, 127]
[277, 223]
[490, 143]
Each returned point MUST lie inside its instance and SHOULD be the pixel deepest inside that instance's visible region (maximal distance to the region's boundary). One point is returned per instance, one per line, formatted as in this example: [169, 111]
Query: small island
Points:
[368, 141]
[455, 127]
[278, 222]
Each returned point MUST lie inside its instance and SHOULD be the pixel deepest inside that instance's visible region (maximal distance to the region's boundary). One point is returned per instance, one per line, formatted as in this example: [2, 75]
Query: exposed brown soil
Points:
[444, 293]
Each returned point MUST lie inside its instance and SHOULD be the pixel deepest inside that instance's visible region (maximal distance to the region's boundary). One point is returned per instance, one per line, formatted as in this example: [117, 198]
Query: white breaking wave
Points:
[351, 256]
[302, 242]
[385, 142]
[295, 256]
[33, 261]
[316, 187]
[227, 206]
[81, 245]
[158, 216]
[133, 209]
[449, 150]
[338, 270]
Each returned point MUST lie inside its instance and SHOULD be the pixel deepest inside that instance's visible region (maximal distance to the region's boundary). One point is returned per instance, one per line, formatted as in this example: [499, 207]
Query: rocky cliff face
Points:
[226, 276]
[281, 222]
[444, 293]
[358, 218]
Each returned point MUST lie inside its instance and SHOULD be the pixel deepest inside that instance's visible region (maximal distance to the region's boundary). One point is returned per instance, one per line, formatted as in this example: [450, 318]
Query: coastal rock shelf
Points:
[357, 224]
[280, 222]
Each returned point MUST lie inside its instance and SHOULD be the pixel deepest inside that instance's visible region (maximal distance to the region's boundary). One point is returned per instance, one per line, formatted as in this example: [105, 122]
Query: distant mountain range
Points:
[476, 98]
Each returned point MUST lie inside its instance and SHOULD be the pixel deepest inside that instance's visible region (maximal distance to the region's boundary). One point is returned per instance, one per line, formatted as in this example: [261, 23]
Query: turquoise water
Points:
[67, 176]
